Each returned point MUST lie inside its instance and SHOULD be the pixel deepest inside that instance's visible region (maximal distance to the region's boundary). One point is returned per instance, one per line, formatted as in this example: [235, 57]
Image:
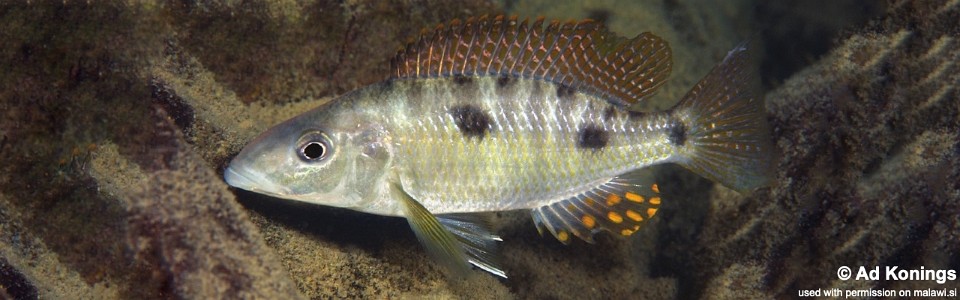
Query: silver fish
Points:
[495, 114]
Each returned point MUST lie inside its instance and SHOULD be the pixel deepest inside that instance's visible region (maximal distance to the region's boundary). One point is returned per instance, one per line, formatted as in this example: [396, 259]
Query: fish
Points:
[497, 114]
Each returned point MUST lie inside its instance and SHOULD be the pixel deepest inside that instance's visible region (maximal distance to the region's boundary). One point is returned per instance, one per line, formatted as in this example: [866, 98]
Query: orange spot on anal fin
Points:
[635, 216]
[655, 200]
[634, 197]
[563, 236]
[589, 221]
[615, 217]
[613, 199]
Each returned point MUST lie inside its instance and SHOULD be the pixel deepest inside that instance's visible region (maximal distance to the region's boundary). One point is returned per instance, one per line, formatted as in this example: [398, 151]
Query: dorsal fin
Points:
[582, 55]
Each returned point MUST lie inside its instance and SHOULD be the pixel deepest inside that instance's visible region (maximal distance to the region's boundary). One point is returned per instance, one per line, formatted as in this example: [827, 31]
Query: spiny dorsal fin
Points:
[618, 205]
[582, 55]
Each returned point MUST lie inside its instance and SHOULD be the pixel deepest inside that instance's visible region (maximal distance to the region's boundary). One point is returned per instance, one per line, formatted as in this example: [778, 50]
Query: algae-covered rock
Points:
[185, 230]
[118, 118]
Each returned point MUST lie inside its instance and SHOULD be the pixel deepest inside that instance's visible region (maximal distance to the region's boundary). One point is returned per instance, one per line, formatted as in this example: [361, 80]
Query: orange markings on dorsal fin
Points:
[581, 55]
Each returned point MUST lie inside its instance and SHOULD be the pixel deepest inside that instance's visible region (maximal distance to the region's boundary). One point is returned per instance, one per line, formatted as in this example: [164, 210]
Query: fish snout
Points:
[242, 178]
[238, 179]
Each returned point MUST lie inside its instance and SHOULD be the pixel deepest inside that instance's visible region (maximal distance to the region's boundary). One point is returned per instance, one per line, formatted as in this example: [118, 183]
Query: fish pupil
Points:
[314, 150]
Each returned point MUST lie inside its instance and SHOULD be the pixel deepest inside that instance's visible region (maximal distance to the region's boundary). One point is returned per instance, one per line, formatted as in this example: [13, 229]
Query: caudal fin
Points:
[728, 139]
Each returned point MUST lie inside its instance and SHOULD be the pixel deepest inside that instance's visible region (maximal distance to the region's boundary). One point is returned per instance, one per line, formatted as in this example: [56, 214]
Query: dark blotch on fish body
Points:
[592, 137]
[387, 85]
[565, 92]
[609, 113]
[635, 115]
[504, 81]
[677, 134]
[462, 80]
[471, 120]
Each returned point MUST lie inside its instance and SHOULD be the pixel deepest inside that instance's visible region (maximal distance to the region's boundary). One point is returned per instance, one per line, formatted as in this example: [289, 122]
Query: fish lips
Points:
[242, 179]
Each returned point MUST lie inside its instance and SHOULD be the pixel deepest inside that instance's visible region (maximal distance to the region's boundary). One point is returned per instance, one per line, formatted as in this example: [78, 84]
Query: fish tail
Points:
[727, 136]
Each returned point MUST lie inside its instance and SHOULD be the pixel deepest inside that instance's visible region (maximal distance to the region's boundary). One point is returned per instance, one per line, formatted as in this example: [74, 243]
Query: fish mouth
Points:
[242, 179]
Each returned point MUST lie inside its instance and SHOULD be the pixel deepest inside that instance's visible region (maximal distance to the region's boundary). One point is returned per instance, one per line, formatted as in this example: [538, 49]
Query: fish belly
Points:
[472, 144]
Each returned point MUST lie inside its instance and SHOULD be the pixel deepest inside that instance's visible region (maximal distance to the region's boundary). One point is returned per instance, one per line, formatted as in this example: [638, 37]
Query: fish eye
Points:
[314, 150]
[314, 146]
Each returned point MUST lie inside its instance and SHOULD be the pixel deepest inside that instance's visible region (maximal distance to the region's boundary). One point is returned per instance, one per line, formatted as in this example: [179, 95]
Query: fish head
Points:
[328, 156]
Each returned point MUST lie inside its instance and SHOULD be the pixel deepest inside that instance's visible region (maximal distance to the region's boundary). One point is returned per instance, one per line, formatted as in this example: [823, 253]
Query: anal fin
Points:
[619, 205]
[454, 240]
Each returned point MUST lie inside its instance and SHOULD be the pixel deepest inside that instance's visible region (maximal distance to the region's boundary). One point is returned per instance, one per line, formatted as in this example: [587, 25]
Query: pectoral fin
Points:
[454, 240]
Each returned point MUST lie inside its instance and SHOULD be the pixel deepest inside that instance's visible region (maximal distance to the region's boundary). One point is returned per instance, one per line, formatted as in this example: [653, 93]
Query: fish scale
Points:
[543, 165]
[496, 114]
